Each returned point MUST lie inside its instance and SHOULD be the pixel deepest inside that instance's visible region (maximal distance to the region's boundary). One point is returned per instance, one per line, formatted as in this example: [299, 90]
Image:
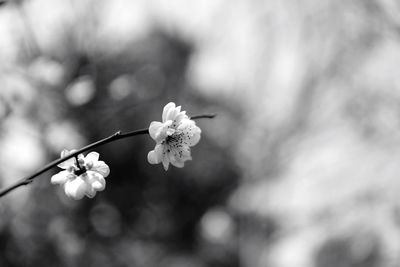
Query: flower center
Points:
[174, 140]
[81, 168]
[80, 171]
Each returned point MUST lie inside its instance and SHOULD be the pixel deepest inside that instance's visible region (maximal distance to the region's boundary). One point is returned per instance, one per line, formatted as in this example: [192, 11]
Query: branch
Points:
[117, 136]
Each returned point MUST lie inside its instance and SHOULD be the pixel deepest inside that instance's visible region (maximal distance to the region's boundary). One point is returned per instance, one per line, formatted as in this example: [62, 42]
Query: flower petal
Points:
[92, 157]
[62, 177]
[190, 131]
[66, 152]
[155, 128]
[99, 185]
[69, 162]
[76, 188]
[178, 156]
[96, 181]
[171, 114]
[184, 153]
[155, 156]
[101, 167]
[165, 162]
[166, 110]
[152, 157]
[90, 192]
[175, 161]
[178, 163]
[178, 118]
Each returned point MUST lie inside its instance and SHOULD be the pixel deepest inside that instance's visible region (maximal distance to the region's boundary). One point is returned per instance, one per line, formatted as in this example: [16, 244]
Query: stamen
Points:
[81, 169]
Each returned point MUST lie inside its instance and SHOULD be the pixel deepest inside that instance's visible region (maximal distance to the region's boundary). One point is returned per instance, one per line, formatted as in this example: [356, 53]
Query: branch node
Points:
[27, 182]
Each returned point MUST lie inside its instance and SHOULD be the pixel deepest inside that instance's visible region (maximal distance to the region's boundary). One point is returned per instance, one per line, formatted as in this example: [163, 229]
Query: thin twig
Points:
[204, 116]
[117, 136]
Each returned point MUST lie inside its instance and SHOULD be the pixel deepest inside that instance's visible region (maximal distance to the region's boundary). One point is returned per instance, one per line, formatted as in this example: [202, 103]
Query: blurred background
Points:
[299, 169]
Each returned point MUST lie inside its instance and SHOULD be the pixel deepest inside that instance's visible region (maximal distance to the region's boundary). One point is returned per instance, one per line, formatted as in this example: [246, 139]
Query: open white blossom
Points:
[84, 179]
[174, 136]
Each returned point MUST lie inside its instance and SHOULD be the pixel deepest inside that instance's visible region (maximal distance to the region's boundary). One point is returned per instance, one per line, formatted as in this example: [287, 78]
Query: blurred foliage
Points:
[69, 90]
[299, 169]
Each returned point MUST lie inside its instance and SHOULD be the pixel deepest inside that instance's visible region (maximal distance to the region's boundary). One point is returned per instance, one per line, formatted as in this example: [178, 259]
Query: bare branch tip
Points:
[204, 116]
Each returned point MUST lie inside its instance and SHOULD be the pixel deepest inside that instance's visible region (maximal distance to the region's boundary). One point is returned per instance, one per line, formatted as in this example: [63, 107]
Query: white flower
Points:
[84, 179]
[174, 137]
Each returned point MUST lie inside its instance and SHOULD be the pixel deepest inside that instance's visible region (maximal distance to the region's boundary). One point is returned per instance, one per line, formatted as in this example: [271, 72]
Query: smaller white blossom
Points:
[84, 179]
[174, 136]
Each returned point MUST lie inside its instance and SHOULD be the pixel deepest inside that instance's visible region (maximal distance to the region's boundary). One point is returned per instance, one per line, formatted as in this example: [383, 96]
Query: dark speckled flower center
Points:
[176, 140]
